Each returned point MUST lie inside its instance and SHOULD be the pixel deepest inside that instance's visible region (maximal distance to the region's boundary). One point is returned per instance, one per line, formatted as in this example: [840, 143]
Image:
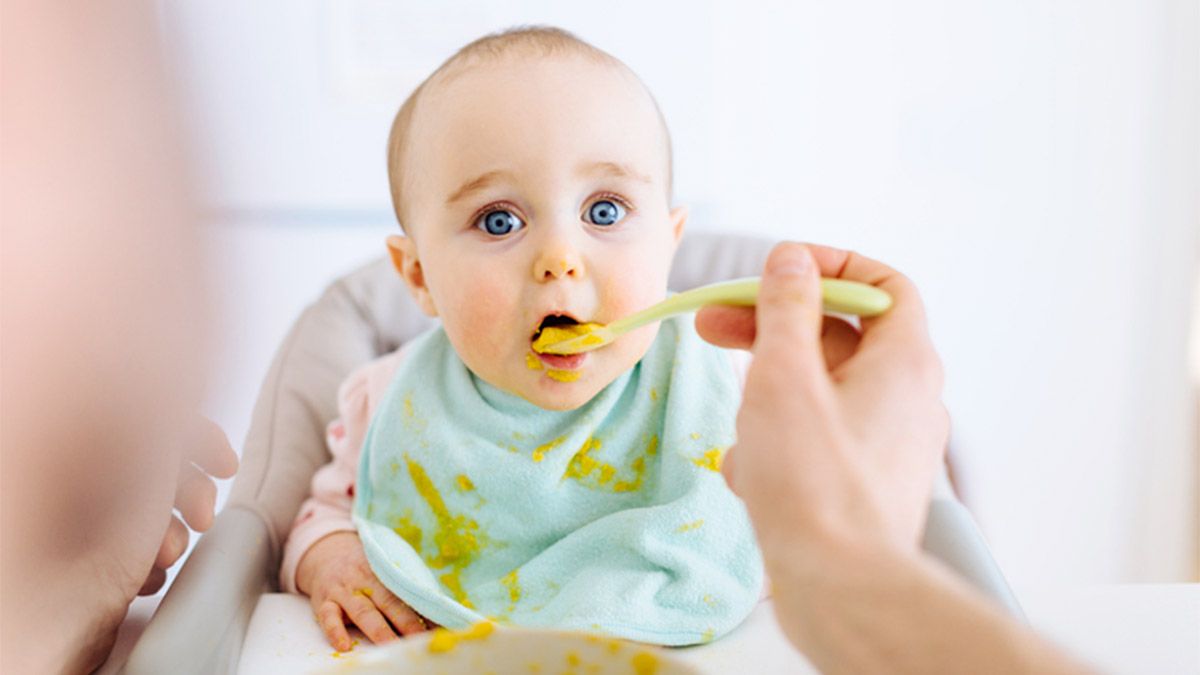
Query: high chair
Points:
[201, 622]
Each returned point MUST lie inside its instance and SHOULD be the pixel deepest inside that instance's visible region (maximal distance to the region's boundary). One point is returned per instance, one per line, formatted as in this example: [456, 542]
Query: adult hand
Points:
[840, 435]
[206, 455]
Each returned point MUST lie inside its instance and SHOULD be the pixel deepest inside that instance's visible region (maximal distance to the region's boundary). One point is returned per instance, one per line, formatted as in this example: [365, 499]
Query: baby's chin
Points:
[562, 396]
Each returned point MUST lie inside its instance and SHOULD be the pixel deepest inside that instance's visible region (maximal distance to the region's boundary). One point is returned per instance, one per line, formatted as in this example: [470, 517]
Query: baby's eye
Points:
[499, 222]
[605, 212]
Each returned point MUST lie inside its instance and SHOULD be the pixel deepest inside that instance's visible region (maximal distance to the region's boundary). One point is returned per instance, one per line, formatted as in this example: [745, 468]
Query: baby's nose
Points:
[558, 261]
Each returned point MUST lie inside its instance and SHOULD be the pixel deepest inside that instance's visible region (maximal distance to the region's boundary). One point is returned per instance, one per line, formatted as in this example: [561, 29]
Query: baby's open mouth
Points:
[559, 367]
[551, 320]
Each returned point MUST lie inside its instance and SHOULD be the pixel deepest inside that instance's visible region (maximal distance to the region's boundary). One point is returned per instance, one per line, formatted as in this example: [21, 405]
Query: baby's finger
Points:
[366, 616]
[400, 615]
[211, 450]
[173, 545]
[329, 616]
[196, 497]
[155, 581]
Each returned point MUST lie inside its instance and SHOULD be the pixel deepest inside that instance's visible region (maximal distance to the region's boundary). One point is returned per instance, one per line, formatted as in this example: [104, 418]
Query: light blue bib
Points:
[473, 503]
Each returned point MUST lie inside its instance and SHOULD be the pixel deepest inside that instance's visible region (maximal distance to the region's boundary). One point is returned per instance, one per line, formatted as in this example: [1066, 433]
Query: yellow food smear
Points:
[584, 465]
[539, 453]
[411, 420]
[445, 640]
[614, 646]
[695, 436]
[653, 394]
[709, 600]
[409, 531]
[464, 483]
[687, 527]
[456, 541]
[532, 361]
[365, 592]
[596, 473]
[644, 663]
[554, 334]
[708, 635]
[563, 375]
[711, 460]
[572, 659]
[513, 584]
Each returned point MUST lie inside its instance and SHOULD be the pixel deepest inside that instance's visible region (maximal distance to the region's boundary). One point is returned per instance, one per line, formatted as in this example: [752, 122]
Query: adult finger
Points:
[196, 497]
[399, 614]
[155, 581]
[366, 616]
[211, 450]
[727, 326]
[788, 311]
[839, 341]
[330, 617]
[173, 545]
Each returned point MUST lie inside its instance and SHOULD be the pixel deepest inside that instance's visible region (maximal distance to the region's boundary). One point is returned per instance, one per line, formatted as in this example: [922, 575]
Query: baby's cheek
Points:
[479, 318]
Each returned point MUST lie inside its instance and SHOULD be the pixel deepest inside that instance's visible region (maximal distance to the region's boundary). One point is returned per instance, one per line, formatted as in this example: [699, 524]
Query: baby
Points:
[474, 478]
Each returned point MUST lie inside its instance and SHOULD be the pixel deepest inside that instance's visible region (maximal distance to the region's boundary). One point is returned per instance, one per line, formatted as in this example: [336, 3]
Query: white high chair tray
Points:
[1122, 629]
[284, 638]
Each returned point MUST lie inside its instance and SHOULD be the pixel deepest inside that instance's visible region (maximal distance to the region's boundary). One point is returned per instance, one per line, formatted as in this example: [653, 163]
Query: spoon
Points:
[839, 295]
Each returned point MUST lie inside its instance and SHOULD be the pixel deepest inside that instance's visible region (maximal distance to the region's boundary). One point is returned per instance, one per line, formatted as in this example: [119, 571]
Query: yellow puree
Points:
[555, 334]
[444, 640]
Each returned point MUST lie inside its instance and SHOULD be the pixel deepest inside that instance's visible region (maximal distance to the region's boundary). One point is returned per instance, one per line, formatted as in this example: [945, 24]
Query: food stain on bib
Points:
[595, 473]
[457, 540]
[711, 460]
[539, 453]
[512, 582]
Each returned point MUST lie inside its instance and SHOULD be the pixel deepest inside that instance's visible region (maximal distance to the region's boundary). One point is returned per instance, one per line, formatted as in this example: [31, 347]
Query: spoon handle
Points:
[839, 295]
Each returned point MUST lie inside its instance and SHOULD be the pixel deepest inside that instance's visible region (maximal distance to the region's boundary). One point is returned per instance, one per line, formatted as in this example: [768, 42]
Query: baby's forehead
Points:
[524, 85]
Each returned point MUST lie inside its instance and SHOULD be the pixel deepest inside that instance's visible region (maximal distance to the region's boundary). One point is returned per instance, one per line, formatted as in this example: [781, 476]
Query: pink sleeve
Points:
[328, 509]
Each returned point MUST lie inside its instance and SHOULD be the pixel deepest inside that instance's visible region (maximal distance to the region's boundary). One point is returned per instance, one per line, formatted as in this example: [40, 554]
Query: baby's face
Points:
[538, 188]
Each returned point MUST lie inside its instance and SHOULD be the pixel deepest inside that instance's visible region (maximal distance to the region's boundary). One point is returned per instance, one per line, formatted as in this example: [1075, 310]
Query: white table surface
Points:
[1121, 629]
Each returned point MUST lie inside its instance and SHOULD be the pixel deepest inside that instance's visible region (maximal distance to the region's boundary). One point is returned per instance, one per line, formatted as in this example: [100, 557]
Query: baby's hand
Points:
[336, 576]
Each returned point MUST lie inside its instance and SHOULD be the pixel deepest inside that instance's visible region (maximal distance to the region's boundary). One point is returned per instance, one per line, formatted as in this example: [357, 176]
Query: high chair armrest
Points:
[201, 622]
[952, 537]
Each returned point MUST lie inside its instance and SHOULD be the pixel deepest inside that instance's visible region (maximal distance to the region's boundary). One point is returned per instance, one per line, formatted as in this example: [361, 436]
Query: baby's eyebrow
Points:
[476, 184]
[613, 169]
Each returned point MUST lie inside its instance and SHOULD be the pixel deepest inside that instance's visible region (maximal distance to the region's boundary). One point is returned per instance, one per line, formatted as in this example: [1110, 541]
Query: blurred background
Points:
[1034, 165]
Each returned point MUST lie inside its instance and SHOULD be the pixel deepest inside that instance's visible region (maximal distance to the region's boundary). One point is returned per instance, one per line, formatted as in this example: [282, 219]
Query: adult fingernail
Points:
[790, 259]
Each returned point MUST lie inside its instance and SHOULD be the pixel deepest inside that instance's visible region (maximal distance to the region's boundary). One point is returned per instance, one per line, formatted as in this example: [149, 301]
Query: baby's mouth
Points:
[553, 320]
[556, 363]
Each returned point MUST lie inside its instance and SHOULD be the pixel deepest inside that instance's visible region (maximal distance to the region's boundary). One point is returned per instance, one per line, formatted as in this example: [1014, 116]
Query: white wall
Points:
[1032, 164]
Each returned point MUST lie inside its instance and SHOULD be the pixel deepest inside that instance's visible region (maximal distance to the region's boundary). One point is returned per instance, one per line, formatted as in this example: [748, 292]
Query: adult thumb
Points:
[788, 314]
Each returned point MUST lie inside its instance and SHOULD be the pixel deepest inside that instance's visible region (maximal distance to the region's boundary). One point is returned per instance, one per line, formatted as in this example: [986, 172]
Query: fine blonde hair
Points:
[538, 41]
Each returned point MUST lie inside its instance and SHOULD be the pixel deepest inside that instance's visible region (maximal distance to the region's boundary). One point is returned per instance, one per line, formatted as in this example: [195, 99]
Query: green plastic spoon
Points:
[839, 296]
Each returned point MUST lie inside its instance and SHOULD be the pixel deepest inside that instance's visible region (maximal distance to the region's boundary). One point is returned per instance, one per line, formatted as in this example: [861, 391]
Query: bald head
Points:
[514, 44]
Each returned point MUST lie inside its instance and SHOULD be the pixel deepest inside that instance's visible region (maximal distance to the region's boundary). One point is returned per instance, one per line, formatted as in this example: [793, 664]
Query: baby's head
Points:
[531, 174]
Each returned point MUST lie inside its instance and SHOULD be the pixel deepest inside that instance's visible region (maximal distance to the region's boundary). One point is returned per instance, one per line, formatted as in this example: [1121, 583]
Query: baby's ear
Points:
[678, 217]
[408, 266]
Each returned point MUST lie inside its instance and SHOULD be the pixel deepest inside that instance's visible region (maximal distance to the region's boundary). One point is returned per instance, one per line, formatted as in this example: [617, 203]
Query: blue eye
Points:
[499, 222]
[605, 212]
